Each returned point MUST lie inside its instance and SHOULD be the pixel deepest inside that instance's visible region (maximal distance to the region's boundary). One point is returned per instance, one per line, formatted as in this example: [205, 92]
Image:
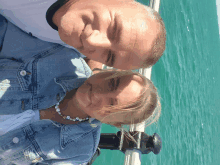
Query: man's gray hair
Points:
[160, 41]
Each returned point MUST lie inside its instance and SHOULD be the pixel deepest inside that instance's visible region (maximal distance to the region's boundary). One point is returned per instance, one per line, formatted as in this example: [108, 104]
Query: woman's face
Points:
[97, 92]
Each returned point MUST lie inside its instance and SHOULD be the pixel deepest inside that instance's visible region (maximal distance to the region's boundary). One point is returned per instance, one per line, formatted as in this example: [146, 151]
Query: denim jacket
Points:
[35, 74]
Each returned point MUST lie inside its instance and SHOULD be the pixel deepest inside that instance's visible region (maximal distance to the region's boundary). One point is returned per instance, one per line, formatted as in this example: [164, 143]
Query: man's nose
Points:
[97, 39]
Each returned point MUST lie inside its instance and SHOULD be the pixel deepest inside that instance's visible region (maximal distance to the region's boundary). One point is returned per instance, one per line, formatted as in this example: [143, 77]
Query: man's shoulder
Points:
[52, 10]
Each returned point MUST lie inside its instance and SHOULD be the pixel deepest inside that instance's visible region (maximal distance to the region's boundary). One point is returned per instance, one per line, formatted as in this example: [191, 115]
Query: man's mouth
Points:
[81, 47]
[90, 92]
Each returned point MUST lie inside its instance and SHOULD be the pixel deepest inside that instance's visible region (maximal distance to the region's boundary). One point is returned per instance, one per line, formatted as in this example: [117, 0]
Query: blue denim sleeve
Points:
[3, 27]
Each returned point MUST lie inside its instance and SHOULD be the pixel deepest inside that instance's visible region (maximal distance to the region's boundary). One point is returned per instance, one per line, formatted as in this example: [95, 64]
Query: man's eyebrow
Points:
[113, 59]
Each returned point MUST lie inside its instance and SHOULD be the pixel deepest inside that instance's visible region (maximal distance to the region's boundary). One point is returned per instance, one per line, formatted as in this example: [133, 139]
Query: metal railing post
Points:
[133, 157]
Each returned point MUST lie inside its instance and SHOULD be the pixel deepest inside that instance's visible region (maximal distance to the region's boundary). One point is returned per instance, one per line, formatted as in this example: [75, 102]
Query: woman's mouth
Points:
[89, 94]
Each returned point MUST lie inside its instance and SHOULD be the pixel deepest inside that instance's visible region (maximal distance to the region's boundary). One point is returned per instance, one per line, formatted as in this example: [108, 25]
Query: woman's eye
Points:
[112, 84]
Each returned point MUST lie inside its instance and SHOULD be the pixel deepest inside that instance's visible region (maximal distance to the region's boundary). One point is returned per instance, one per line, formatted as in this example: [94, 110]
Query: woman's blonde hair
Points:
[145, 108]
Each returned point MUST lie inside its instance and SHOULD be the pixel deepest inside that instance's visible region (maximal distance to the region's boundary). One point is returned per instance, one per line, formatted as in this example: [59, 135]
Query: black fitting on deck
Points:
[144, 142]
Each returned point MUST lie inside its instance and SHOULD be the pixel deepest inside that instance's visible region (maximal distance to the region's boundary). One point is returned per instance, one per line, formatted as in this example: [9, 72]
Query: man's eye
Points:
[110, 58]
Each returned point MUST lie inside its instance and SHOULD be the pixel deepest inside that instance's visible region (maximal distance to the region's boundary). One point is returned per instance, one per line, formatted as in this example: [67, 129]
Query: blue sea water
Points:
[188, 79]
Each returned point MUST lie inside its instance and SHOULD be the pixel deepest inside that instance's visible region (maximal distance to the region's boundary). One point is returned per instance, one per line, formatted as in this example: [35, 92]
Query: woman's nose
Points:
[97, 40]
[98, 93]
[97, 98]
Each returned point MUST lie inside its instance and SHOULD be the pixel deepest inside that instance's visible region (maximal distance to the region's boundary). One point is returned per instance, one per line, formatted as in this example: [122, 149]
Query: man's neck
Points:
[64, 7]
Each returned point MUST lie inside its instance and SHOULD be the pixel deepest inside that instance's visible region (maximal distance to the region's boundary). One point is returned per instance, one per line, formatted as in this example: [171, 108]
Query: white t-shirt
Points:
[30, 16]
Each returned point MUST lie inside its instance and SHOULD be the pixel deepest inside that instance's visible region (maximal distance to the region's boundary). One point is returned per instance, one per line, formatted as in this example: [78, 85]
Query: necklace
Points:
[68, 117]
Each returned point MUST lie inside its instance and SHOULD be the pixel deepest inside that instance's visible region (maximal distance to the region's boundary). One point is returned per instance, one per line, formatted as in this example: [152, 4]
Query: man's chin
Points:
[80, 48]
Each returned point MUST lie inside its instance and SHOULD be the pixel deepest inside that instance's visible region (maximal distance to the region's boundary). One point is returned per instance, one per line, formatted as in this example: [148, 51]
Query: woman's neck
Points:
[69, 106]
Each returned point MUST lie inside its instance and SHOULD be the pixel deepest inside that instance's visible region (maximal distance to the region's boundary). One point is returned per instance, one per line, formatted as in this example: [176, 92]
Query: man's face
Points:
[118, 34]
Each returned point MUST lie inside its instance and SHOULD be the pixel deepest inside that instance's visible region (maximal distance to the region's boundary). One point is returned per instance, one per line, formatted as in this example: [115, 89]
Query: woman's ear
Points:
[104, 113]
[118, 125]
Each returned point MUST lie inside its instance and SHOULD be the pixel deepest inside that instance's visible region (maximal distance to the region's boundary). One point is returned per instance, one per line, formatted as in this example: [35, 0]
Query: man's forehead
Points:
[128, 60]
